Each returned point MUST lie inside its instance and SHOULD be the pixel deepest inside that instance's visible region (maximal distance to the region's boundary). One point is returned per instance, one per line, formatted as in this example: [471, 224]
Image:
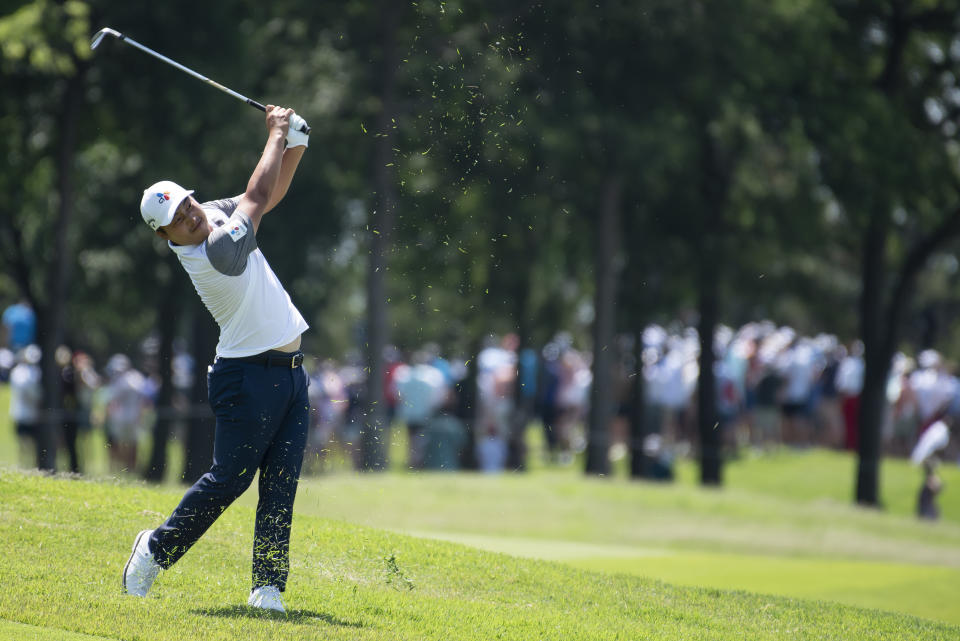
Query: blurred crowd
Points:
[775, 388]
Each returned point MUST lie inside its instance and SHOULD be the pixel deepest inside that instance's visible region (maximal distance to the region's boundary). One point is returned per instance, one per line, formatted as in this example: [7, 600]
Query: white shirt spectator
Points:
[933, 389]
[849, 381]
[25, 393]
[798, 370]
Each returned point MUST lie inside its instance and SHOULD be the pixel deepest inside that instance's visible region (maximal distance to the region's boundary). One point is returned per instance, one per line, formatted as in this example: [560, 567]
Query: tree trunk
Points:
[167, 313]
[602, 399]
[880, 328]
[467, 408]
[59, 275]
[715, 176]
[523, 398]
[202, 424]
[872, 404]
[639, 462]
[876, 365]
[375, 434]
[710, 460]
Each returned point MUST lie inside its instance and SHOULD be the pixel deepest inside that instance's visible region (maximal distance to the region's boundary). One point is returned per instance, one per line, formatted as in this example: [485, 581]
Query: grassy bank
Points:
[63, 542]
[752, 535]
[783, 524]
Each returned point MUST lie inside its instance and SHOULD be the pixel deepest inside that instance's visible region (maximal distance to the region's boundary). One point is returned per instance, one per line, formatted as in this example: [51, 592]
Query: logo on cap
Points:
[162, 197]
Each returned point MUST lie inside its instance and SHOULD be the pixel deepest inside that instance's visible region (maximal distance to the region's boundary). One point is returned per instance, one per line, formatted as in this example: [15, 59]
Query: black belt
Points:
[274, 358]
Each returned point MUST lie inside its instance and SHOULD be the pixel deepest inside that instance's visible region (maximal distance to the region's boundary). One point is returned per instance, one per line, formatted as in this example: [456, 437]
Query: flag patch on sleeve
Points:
[237, 230]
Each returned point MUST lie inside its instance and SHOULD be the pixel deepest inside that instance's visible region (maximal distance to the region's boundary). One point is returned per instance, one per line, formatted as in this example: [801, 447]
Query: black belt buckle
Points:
[296, 361]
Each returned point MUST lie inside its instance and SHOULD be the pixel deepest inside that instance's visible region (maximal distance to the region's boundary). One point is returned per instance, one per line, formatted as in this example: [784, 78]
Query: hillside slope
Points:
[63, 543]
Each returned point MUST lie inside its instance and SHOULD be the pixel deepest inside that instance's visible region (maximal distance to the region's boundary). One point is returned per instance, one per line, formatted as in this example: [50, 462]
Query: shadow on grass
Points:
[300, 617]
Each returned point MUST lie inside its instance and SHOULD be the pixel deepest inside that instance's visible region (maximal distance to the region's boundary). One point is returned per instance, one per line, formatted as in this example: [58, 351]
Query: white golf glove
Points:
[295, 137]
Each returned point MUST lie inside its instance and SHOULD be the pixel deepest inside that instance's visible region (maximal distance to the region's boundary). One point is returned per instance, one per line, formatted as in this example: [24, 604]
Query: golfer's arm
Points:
[288, 167]
[257, 199]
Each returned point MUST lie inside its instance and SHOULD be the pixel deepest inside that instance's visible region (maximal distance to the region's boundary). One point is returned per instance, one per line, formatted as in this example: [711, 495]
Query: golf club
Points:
[106, 31]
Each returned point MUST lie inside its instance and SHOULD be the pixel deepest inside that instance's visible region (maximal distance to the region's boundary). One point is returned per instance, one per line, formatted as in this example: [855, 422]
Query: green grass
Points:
[746, 536]
[63, 543]
[826, 475]
[931, 592]
[783, 524]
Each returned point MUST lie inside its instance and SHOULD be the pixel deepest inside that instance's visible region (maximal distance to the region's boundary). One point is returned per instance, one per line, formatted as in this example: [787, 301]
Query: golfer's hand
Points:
[278, 118]
[295, 137]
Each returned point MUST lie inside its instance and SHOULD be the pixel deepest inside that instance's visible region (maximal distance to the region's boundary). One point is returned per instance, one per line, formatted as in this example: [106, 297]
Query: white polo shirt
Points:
[235, 282]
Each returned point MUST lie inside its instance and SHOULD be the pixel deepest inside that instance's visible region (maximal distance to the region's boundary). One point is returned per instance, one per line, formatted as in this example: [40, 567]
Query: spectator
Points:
[934, 439]
[654, 409]
[798, 368]
[547, 388]
[496, 377]
[20, 325]
[26, 394]
[927, 507]
[392, 360]
[765, 382]
[328, 407]
[903, 411]
[445, 436]
[421, 390]
[573, 397]
[728, 404]
[70, 403]
[355, 381]
[933, 389]
[87, 383]
[827, 413]
[676, 375]
[126, 401]
[7, 360]
[659, 457]
[849, 385]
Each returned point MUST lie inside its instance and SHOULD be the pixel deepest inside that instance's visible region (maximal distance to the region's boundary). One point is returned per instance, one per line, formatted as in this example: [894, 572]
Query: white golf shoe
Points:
[267, 598]
[141, 569]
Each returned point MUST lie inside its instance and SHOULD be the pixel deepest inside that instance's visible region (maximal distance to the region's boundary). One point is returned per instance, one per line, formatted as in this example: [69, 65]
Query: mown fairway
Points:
[782, 525]
[63, 542]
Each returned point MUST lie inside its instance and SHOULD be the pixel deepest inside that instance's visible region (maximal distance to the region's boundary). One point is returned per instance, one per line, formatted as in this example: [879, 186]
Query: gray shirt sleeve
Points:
[229, 245]
[226, 205]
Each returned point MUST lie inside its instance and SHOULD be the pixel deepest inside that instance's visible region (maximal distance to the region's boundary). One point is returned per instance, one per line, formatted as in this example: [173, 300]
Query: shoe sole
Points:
[132, 552]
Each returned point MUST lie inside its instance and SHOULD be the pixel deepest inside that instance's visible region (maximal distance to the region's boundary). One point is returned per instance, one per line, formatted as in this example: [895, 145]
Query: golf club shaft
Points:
[253, 103]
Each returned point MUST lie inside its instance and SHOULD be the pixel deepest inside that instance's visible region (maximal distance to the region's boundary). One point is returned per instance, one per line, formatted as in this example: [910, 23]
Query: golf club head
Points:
[98, 36]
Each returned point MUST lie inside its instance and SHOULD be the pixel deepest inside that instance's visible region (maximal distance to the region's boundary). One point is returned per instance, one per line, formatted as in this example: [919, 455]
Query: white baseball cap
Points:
[160, 201]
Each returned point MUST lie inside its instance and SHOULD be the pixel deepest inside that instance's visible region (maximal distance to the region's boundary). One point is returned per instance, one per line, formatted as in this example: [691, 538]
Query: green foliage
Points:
[509, 118]
[754, 140]
[46, 37]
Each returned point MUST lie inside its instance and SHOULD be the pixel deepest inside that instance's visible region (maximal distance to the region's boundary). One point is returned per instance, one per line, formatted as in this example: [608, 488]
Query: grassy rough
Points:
[63, 543]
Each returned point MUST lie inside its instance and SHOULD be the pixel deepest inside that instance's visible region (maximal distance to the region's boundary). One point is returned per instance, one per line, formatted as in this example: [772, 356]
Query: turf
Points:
[63, 542]
[742, 537]
[930, 592]
[922, 590]
[561, 506]
[783, 524]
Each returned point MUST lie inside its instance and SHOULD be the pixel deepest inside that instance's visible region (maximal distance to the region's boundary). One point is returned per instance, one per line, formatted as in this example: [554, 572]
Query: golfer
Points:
[257, 386]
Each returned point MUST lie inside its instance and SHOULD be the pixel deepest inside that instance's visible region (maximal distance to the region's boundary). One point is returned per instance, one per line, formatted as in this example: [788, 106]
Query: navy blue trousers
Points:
[262, 419]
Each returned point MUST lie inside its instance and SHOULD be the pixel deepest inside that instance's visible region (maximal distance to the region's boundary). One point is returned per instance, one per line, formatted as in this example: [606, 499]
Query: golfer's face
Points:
[189, 225]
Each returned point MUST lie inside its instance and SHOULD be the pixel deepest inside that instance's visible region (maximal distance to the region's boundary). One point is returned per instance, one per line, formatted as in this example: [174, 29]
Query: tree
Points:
[45, 52]
[885, 148]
